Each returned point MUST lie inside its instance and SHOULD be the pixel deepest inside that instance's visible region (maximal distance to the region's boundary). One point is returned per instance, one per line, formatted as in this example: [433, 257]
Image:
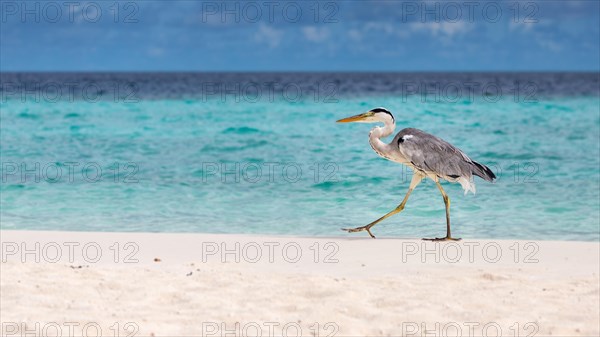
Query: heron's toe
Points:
[352, 230]
[443, 239]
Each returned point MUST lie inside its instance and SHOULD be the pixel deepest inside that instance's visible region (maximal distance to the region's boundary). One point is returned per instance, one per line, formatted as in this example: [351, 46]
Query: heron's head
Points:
[377, 115]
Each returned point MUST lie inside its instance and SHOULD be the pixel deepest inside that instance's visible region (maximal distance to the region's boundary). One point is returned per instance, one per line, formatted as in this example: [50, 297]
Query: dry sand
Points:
[223, 285]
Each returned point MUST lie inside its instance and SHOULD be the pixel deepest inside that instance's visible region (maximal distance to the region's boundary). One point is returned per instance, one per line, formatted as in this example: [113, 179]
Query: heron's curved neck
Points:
[381, 132]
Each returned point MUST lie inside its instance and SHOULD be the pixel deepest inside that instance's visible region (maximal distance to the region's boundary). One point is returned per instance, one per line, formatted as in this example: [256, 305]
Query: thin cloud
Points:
[269, 35]
[448, 29]
[316, 34]
[156, 51]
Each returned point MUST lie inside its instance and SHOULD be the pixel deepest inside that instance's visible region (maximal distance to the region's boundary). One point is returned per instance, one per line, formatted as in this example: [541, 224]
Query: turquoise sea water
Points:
[281, 165]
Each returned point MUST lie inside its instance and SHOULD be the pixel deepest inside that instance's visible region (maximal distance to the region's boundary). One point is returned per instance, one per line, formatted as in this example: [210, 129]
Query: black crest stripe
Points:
[376, 110]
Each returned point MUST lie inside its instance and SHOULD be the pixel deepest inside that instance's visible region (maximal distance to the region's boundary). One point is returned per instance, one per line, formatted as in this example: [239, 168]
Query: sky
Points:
[272, 35]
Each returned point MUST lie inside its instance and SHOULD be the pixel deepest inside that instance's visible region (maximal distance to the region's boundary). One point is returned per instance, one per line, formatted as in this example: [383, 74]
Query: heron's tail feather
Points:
[483, 171]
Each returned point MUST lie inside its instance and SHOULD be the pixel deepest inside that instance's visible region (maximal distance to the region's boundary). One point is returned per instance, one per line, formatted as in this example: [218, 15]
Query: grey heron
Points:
[427, 155]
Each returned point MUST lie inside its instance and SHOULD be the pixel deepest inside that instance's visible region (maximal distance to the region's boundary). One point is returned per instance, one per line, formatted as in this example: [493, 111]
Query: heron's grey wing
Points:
[431, 154]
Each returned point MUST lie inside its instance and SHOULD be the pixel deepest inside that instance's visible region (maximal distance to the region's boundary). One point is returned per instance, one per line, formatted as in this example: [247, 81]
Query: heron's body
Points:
[427, 155]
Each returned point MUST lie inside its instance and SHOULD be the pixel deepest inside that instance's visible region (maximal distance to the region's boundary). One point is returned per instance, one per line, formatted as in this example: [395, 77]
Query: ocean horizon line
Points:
[590, 71]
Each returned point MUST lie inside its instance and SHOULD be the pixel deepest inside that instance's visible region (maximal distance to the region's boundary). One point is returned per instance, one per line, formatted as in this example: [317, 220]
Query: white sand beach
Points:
[146, 284]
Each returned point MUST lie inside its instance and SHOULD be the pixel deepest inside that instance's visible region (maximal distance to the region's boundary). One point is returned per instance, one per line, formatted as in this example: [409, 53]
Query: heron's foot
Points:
[447, 238]
[360, 229]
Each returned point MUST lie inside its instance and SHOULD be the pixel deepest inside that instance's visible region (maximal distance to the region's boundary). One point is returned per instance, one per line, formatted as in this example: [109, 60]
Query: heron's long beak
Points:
[353, 118]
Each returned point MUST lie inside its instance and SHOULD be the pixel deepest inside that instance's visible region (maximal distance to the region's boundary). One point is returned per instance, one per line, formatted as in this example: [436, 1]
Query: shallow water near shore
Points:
[201, 159]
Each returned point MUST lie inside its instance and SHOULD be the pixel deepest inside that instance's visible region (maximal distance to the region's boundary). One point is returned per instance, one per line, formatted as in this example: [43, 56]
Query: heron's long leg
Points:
[416, 179]
[447, 203]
